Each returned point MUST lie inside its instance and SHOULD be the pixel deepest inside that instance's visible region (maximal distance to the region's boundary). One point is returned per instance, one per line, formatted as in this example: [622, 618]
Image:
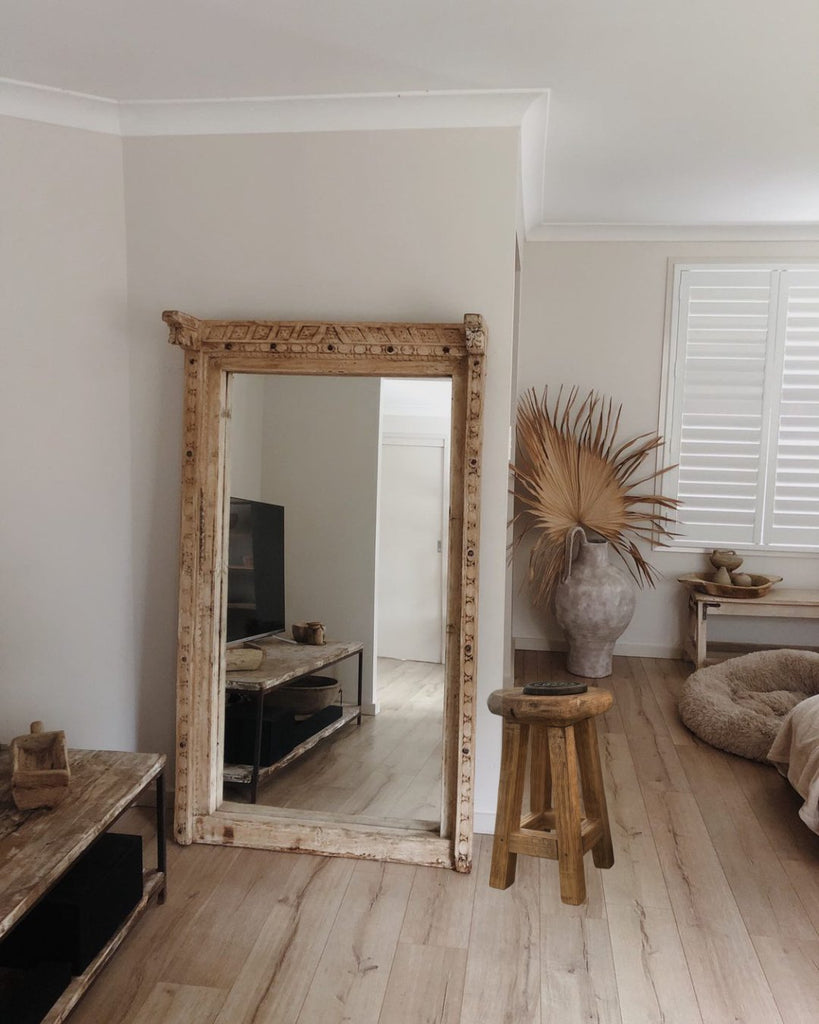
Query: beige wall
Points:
[246, 435]
[67, 652]
[396, 225]
[593, 314]
[320, 461]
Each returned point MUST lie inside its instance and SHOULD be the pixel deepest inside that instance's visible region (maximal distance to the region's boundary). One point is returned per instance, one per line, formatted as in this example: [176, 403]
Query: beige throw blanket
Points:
[795, 752]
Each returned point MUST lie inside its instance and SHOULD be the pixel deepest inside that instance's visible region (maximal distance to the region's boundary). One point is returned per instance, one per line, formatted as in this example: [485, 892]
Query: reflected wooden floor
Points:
[709, 916]
[387, 768]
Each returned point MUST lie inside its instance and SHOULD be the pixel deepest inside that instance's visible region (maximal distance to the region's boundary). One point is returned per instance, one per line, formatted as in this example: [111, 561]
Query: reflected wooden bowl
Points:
[306, 696]
[243, 659]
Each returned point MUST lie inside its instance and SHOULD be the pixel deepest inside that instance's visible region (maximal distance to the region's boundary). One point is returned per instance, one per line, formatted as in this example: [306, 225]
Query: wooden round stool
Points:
[564, 746]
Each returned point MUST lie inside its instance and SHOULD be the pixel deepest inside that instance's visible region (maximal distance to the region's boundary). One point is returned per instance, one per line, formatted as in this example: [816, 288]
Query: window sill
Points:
[687, 549]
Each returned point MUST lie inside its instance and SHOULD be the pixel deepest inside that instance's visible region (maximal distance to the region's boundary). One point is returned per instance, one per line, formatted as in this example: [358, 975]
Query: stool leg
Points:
[594, 795]
[566, 796]
[510, 799]
[540, 776]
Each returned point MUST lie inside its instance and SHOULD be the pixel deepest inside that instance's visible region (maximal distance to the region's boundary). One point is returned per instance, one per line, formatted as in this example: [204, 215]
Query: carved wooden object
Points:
[214, 349]
[40, 772]
[308, 633]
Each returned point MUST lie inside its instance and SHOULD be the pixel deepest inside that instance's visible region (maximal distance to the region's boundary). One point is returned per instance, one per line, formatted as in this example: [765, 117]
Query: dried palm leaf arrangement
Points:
[572, 472]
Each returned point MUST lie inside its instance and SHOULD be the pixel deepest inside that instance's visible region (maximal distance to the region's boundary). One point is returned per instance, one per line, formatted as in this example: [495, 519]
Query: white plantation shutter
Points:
[794, 505]
[742, 405]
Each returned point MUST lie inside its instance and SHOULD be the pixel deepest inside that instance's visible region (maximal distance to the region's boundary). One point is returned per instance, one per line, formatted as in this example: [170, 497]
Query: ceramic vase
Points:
[594, 602]
[725, 558]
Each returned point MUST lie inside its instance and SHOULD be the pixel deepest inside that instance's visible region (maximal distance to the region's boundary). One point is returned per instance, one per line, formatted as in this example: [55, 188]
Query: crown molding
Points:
[479, 108]
[472, 108]
[59, 106]
[770, 232]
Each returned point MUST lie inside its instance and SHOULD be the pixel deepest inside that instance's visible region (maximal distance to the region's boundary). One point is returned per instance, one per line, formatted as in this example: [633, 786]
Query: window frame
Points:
[670, 420]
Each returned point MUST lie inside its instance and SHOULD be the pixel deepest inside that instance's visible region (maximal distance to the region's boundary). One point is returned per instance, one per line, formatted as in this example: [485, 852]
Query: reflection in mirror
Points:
[361, 468]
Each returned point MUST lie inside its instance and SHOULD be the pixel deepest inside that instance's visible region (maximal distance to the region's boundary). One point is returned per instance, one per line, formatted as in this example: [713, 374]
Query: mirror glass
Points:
[338, 521]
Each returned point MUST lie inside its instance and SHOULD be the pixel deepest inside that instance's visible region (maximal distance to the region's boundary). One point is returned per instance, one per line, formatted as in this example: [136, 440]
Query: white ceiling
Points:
[702, 112]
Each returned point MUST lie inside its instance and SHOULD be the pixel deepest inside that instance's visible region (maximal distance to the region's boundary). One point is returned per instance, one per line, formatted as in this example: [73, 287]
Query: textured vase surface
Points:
[594, 603]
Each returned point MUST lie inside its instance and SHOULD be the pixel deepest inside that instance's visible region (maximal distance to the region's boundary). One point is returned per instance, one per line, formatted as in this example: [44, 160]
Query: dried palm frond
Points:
[571, 474]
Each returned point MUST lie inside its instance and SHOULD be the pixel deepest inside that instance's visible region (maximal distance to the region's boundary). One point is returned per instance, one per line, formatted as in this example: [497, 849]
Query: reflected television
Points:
[255, 577]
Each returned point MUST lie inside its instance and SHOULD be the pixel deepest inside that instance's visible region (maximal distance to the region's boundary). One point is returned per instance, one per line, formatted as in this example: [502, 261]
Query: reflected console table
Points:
[285, 662]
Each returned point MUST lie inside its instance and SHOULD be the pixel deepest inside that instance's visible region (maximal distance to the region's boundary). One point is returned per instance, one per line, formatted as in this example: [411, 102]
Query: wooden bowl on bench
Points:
[704, 582]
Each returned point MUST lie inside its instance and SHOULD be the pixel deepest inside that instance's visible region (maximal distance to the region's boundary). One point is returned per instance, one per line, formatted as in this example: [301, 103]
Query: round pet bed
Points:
[739, 704]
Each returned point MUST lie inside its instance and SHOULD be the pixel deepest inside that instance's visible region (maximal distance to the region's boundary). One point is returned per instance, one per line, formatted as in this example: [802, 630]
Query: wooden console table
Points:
[777, 603]
[285, 663]
[38, 847]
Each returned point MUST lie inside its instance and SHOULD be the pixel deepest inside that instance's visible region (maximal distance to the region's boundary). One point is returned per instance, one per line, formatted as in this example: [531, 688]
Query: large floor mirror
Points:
[355, 449]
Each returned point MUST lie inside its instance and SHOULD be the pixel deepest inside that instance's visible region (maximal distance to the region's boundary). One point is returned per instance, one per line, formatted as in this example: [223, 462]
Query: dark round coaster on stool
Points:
[553, 689]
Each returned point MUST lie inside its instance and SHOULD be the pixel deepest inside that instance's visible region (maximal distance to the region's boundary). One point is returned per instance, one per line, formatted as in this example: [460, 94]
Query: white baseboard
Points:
[370, 709]
[626, 650]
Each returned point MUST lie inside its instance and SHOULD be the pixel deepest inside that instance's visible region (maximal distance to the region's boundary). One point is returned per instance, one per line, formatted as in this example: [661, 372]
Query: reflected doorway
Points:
[413, 513]
[361, 468]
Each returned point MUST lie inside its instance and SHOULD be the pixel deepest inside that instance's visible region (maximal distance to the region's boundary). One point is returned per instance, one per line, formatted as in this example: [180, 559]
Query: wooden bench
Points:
[777, 603]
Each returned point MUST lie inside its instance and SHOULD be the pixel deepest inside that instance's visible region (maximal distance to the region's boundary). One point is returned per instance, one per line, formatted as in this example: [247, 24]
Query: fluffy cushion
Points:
[739, 704]
[795, 752]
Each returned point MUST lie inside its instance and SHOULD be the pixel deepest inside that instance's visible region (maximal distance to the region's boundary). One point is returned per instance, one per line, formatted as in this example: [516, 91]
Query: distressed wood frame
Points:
[215, 349]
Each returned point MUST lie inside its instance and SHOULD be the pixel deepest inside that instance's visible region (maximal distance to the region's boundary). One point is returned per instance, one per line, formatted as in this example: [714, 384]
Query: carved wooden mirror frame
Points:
[214, 350]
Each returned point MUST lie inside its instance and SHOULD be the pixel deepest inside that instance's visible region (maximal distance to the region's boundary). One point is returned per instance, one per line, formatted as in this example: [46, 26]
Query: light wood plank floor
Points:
[388, 768]
[709, 916]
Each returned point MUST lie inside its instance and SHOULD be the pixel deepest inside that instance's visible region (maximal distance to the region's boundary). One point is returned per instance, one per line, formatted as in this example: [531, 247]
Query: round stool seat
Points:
[547, 710]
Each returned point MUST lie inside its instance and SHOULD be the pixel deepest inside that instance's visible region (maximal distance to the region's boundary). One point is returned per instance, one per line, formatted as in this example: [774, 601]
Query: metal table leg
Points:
[257, 748]
[161, 848]
[360, 679]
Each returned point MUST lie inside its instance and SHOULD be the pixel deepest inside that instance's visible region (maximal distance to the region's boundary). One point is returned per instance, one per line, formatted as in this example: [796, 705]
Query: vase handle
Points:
[570, 548]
